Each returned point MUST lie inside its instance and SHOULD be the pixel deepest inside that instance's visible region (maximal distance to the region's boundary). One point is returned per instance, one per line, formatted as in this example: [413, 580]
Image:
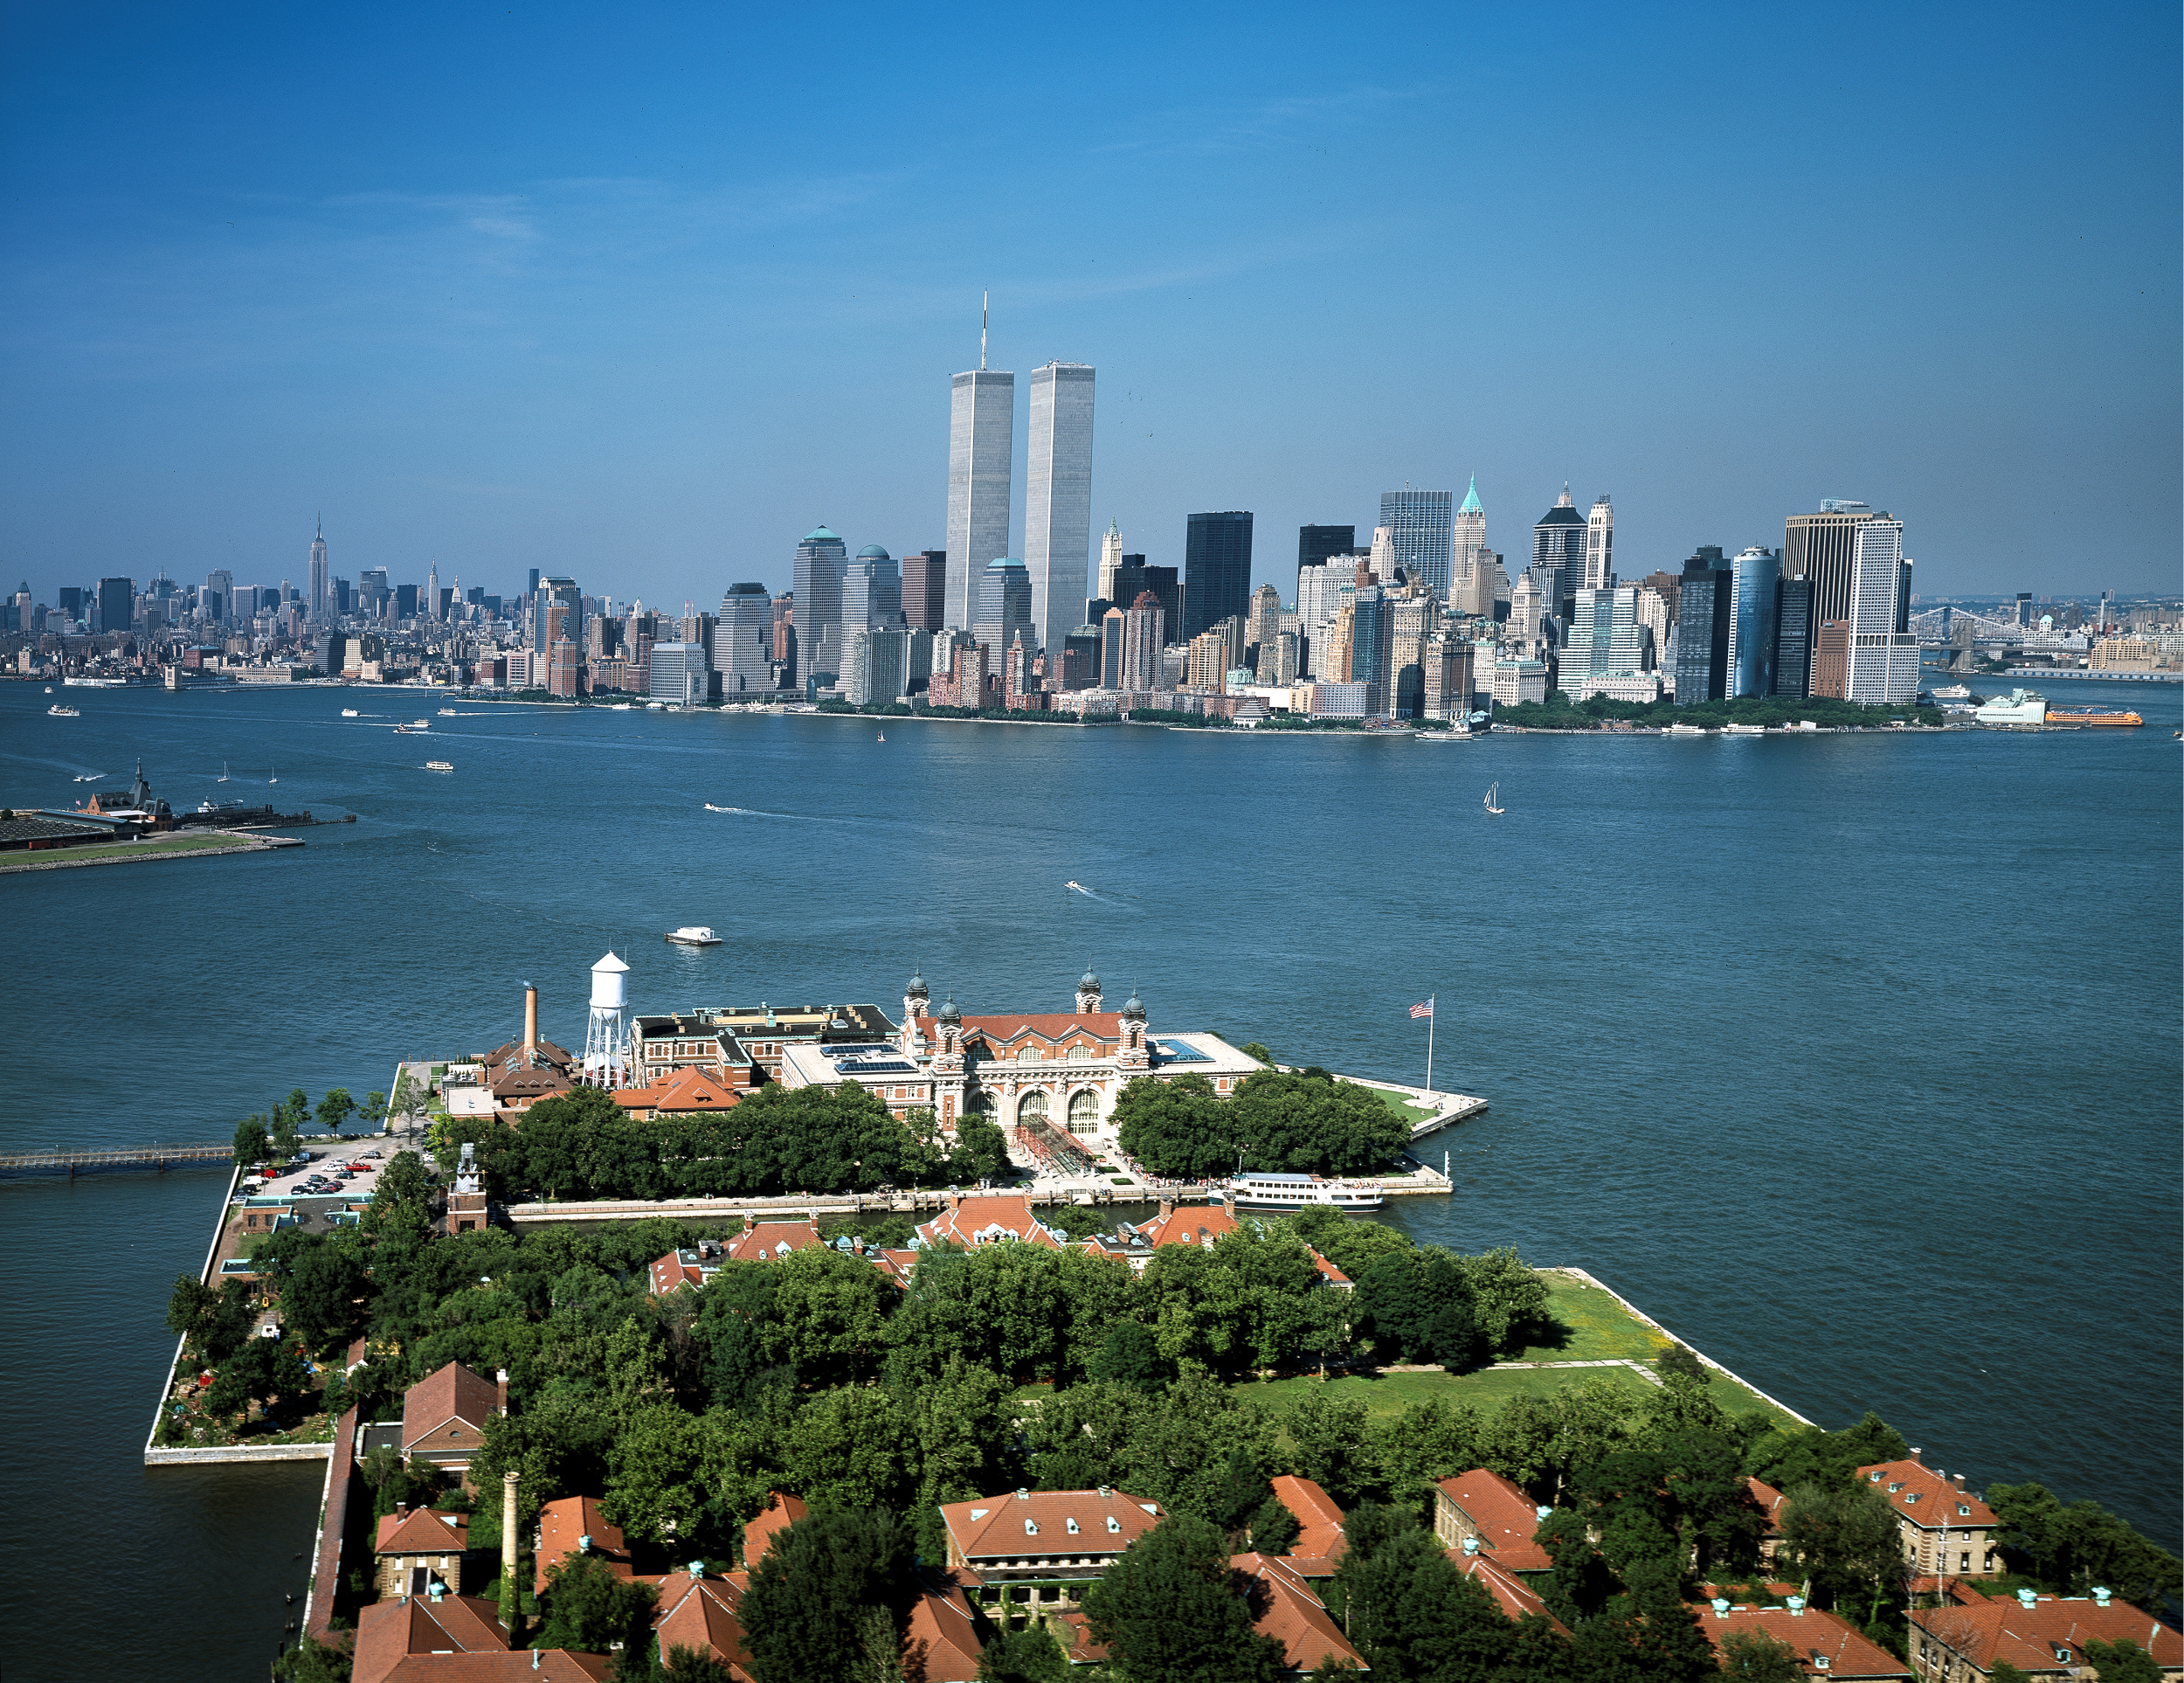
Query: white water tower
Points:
[607, 1037]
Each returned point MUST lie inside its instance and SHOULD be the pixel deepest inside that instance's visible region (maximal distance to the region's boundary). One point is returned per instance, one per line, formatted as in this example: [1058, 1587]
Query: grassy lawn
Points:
[129, 849]
[1402, 1106]
[1593, 1327]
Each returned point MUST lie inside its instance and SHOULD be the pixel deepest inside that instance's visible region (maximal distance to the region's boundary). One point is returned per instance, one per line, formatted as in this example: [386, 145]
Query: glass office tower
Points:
[981, 467]
[1421, 528]
[1058, 498]
[1216, 569]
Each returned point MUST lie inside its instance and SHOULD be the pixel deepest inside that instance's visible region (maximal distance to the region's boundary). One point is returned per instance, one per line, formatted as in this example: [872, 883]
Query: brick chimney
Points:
[1167, 1207]
[530, 1023]
[500, 1392]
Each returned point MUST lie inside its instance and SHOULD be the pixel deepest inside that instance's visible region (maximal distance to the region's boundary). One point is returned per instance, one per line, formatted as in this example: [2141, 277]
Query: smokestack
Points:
[500, 1392]
[510, 1604]
[530, 1022]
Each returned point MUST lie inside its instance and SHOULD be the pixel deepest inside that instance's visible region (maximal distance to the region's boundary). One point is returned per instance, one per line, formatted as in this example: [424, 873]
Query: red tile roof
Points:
[769, 1241]
[522, 1665]
[1770, 1501]
[700, 1612]
[943, 1637]
[1504, 1516]
[1319, 1534]
[1191, 1224]
[986, 1219]
[562, 1523]
[2004, 1628]
[1516, 1597]
[424, 1531]
[993, 1527]
[390, 1632]
[1926, 1498]
[680, 1268]
[779, 1514]
[687, 1091]
[1285, 1610]
[1053, 1027]
[1815, 1637]
[453, 1393]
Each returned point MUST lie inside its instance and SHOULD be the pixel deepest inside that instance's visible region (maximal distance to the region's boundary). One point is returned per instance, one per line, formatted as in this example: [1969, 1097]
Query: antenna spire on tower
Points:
[985, 298]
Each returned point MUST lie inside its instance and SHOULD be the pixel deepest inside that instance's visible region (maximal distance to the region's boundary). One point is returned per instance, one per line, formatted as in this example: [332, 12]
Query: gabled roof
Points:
[1514, 1596]
[689, 1090]
[503, 1060]
[1052, 1027]
[1190, 1224]
[1506, 1518]
[562, 1524]
[994, 1527]
[770, 1241]
[1284, 1609]
[1770, 1503]
[390, 1632]
[684, 1267]
[521, 1665]
[2027, 1637]
[1319, 1534]
[1924, 1496]
[453, 1393]
[700, 1612]
[780, 1513]
[943, 1637]
[1815, 1635]
[985, 1219]
[425, 1531]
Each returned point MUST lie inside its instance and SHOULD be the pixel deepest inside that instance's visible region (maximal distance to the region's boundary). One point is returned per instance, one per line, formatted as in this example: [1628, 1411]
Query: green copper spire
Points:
[1471, 498]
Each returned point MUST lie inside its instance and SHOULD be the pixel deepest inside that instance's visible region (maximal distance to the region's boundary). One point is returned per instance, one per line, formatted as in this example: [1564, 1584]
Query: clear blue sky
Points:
[642, 294]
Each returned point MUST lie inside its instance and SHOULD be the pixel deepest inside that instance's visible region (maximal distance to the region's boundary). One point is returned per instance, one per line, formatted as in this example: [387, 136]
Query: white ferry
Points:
[1952, 692]
[1686, 731]
[1744, 729]
[57, 711]
[438, 765]
[1257, 1191]
[2020, 707]
[693, 935]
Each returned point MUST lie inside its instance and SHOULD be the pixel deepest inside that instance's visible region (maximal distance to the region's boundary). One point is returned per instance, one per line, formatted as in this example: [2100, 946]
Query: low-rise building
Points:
[577, 1525]
[461, 1638]
[2044, 1636]
[763, 1528]
[444, 1415]
[1320, 1542]
[1484, 1507]
[989, 1218]
[416, 1550]
[1947, 1530]
[699, 1612]
[689, 1091]
[1512, 1594]
[686, 1266]
[1284, 1607]
[1824, 1644]
[1036, 1550]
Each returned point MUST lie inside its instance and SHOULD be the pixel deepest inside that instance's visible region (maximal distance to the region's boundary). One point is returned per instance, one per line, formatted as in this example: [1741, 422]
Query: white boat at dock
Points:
[1744, 729]
[693, 935]
[1258, 1191]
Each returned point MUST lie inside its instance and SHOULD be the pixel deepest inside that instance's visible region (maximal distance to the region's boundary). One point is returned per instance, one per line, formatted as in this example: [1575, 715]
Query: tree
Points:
[319, 1296]
[1678, 1358]
[800, 1614]
[1418, 1307]
[1274, 1529]
[1178, 1128]
[829, 1316]
[313, 1661]
[335, 1109]
[1254, 1049]
[2072, 1549]
[283, 1130]
[589, 1609]
[1509, 1296]
[687, 1664]
[373, 1113]
[1352, 1246]
[191, 1307]
[251, 1143]
[1407, 1607]
[2122, 1661]
[1131, 1357]
[1846, 1540]
[1170, 1610]
[403, 1182]
[1312, 1124]
[1757, 1657]
[986, 1146]
[1332, 1447]
[1027, 1656]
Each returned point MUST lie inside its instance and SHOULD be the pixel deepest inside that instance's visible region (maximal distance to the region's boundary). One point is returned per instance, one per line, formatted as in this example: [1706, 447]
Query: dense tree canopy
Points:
[830, 1599]
[1303, 1123]
[1171, 1610]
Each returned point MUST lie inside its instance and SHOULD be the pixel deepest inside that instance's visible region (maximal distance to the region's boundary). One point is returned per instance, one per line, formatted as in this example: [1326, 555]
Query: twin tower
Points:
[1057, 491]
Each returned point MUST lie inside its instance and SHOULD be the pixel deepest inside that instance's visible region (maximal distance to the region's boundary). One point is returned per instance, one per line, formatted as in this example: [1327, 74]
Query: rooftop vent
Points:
[1721, 1607]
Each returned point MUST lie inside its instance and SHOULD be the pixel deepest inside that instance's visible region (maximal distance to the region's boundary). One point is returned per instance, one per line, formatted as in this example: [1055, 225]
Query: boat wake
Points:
[750, 812]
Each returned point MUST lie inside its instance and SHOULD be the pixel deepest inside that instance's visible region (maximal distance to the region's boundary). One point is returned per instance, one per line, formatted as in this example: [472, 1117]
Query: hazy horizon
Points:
[643, 298]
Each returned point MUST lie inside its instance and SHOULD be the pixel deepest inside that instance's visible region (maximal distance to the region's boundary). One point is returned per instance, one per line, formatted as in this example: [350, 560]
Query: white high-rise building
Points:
[1421, 534]
[1883, 661]
[1111, 560]
[1468, 543]
[1600, 545]
[1381, 557]
[981, 476]
[320, 604]
[1058, 498]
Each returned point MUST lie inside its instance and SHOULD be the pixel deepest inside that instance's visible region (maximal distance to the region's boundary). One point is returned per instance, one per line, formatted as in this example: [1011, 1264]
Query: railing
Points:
[64, 1160]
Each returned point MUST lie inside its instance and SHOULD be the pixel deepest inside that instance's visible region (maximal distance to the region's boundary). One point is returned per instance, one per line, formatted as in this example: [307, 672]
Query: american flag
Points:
[1423, 1009]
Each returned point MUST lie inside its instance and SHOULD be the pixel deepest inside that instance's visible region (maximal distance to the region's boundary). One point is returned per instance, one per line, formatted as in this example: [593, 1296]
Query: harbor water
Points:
[1854, 1059]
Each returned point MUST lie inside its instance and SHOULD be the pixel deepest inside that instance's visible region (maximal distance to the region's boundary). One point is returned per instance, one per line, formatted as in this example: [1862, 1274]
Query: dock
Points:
[74, 1161]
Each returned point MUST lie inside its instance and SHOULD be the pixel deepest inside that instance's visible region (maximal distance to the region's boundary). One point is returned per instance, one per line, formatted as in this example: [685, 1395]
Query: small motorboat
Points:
[349, 712]
[448, 713]
[438, 765]
[420, 724]
[57, 711]
[49, 688]
[1493, 795]
[693, 935]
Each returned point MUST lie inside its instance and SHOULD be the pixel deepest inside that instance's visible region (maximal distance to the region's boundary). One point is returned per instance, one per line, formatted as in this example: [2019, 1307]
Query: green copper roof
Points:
[1471, 498]
[820, 535]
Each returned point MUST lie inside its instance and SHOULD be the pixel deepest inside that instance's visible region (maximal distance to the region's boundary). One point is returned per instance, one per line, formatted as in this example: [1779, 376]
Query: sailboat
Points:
[1493, 794]
[223, 777]
[884, 736]
[275, 778]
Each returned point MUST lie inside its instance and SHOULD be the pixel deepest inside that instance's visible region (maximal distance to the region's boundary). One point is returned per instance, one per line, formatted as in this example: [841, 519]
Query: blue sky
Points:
[643, 293]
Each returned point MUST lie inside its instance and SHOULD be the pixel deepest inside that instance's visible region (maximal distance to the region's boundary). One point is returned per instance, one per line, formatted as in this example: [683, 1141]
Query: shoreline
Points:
[237, 843]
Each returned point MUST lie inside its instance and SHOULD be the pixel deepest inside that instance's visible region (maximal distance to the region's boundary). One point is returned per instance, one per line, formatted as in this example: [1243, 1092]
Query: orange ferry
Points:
[2088, 716]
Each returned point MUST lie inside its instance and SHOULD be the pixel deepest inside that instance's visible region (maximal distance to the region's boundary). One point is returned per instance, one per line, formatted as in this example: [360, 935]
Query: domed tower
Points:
[916, 1001]
[1136, 1058]
[606, 1036]
[1087, 993]
[948, 1065]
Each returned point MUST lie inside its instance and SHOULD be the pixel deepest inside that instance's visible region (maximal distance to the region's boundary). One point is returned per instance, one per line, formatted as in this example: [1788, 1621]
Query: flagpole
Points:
[1430, 1014]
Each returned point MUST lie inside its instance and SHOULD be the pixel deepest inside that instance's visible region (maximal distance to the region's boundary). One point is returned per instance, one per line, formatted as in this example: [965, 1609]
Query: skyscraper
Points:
[1422, 530]
[117, 601]
[1134, 578]
[1470, 593]
[431, 591]
[1144, 636]
[1316, 544]
[1883, 661]
[743, 642]
[1003, 606]
[981, 470]
[1216, 569]
[218, 596]
[1557, 541]
[872, 591]
[1058, 498]
[321, 605]
[1111, 558]
[1818, 549]
[1600, 545]
[925, 589]
[815, 581]
[1792, 636]
[1262, 630]
[1752, 626]
[1701, 632]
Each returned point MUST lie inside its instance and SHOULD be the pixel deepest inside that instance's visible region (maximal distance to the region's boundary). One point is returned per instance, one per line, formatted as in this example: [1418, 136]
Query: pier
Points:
[75, 1161]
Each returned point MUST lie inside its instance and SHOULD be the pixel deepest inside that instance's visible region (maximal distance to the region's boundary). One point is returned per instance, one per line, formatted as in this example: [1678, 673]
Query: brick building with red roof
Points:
[1511, 1594]
[456, 1639]
[1947, 1530]
[1320, 1542]
[1048, 1543]
[577, 1525]
[444, 1415]
[414, 1548]
[1487, 1507]
[683, 1092]
[695, 1611]
[2042, 1635]
[1283, 1607]
[988, 1218]
[1826, 1645]
[780, 1513]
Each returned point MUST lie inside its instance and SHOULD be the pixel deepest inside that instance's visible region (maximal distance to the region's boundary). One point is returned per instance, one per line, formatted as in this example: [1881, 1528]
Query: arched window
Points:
[1080, 1053]
[1084, 1111]
[1028, 1055]
[1031, 1108]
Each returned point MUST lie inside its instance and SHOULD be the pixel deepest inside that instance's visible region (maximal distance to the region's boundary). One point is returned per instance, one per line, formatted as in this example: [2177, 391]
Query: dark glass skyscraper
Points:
[1701, 636]
[1216, 569]
[1316, 544]
[1557, 541]
[116, 598]
[1792, 636]
[1134, 577]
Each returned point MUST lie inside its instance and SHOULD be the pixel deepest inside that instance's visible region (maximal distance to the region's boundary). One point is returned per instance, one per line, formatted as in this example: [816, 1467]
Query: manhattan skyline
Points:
[594, 319]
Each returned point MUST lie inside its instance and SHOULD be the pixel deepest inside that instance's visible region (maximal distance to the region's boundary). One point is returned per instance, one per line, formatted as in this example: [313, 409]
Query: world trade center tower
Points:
[981, 432]
[1058, 499]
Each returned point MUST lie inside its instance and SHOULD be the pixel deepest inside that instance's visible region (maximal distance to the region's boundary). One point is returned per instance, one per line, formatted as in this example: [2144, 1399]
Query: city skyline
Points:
[648, 349]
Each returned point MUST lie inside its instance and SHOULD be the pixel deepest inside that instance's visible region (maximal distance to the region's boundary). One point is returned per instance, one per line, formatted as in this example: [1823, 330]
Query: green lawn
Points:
[125, 849]
[1402, 1106]
[1594, 1327]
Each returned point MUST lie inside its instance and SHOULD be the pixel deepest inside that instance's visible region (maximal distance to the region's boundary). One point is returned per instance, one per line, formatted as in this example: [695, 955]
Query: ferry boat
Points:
[2094, 716]
[2019, 707]
[438, 765]
[693, 935]
[449, 713]
[1256, 1191]
[1952, 692]
[1685, 730]
[57, 711]
[1744, 729]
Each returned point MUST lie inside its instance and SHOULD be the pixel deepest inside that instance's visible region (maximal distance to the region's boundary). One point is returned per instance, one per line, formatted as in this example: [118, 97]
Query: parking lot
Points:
[314, 1187]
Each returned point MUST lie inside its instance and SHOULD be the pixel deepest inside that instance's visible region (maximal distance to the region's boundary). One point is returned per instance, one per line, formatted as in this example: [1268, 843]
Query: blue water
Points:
[1855, 1060]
